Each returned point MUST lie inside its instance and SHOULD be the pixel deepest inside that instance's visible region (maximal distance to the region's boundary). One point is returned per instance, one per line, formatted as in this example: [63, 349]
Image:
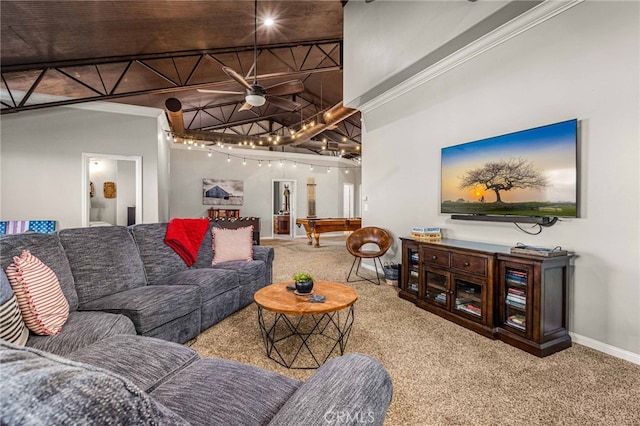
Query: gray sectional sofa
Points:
[114, 363]
[121, 280]
[136, 380]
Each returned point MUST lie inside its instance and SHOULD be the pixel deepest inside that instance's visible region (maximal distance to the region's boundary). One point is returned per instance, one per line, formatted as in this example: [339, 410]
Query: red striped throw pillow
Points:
[42, 303]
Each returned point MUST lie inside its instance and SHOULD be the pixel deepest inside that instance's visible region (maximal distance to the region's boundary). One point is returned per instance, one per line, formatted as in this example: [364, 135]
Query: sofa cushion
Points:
[42, 303]
[252, 276]
[44, 389]
[220, 392]
[12, 326]
[146, 361]
[159, 259]
[232, 244]
[104, 260]
[150, 307]
[82, 329]
[48, 249]
[351, 389]
[212, 282]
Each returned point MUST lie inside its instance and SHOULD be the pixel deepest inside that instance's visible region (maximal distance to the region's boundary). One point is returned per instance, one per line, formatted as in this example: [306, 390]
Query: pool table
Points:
[315, 227]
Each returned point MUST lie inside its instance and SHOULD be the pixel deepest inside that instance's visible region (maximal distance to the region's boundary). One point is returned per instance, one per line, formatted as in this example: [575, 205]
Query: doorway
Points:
[111, 189]
[283, 202]
[348, 201]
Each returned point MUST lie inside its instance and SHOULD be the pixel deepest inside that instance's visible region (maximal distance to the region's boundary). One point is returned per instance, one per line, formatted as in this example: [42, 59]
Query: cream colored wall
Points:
[189, 167]
[41, 158]
[582, 63]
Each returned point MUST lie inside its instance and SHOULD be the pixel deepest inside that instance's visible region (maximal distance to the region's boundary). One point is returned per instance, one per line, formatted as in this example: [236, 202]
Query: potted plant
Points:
[304, 282]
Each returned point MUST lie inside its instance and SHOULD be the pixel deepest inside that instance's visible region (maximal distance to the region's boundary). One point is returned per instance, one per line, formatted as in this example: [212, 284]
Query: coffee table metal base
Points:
[304, 341]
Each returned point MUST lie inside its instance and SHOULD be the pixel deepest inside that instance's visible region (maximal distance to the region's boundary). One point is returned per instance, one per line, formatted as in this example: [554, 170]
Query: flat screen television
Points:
[530, 173]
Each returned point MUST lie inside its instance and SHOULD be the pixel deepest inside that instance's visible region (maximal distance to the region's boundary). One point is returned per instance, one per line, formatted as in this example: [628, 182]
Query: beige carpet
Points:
[444, 374]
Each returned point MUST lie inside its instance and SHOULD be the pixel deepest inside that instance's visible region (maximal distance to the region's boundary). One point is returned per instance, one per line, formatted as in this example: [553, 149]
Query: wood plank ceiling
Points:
[143, 52]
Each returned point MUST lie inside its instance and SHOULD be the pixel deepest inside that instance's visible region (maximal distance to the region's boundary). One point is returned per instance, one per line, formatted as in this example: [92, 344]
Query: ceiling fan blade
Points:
[237, 77]
[245, 107]
[283, 103]
[221, 92]
[287, 88]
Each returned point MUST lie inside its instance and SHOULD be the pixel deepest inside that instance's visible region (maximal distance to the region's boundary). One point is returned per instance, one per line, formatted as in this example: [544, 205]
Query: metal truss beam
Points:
[101, 79]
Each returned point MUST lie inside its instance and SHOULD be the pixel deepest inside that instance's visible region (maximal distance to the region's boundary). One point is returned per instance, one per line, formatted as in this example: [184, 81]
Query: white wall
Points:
[443, 19]
[189, 167]
[41, 157]
[582, 63]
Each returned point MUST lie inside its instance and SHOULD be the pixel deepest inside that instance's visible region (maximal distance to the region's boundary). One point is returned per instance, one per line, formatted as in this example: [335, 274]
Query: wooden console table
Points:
[518, 299]
[281, 224]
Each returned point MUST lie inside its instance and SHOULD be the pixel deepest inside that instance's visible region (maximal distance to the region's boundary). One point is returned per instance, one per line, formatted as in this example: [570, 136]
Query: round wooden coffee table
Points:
[301, 334]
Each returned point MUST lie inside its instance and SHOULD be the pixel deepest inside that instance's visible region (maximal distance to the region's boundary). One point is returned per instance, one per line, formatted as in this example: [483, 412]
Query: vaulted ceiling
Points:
[144, 52]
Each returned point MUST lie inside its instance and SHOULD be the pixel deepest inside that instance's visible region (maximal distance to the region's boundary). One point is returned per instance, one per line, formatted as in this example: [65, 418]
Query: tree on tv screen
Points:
[504, 175]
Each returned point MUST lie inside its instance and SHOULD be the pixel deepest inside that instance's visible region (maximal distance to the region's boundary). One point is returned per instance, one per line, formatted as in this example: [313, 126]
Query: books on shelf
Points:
[426, 234]
[472, 309]
[517, 321]
[442, 298]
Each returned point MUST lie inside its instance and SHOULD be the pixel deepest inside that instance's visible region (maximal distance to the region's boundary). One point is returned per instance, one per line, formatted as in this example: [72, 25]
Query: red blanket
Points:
[184, 236]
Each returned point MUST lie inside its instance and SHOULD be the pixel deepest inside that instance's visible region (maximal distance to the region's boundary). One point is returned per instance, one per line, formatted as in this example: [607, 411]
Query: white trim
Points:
[522, 23]
[86, 157]
[605, 348]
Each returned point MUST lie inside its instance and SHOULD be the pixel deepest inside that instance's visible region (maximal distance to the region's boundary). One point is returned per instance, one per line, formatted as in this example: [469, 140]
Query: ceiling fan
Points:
[255, 94]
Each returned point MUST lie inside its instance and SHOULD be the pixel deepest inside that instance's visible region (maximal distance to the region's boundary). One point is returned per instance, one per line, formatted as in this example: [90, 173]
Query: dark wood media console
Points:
[518, 299]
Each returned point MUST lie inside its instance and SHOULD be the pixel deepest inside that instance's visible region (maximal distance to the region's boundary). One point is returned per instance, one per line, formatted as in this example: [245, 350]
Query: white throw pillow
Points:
[232, 244]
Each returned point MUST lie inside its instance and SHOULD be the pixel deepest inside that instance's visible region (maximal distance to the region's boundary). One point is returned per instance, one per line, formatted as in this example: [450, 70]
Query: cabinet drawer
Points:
[471, 264]
[435, 257]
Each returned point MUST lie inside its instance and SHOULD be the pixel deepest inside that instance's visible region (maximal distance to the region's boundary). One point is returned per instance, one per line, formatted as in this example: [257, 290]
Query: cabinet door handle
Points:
[434, 257]
[466, 263]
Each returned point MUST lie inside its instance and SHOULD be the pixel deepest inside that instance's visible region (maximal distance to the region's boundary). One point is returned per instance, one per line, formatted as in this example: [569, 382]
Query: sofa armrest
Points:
[263, 253]
[266, 254]
[351, 389]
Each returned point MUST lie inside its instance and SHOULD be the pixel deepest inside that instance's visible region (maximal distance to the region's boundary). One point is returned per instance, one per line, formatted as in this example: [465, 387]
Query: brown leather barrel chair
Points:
[360, 245]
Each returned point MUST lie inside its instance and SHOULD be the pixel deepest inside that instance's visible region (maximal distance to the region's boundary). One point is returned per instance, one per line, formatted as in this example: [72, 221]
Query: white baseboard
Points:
[605, 348]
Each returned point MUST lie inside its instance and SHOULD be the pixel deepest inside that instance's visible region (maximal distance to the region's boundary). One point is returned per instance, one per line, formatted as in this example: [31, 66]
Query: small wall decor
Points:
[226, 192]
[311, 197]
[109, 190]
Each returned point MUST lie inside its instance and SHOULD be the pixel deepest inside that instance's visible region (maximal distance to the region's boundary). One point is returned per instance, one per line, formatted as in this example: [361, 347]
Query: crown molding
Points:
[528, 20]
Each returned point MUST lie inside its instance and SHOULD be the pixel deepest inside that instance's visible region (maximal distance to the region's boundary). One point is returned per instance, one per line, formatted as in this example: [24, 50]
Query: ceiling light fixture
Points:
[255, 96]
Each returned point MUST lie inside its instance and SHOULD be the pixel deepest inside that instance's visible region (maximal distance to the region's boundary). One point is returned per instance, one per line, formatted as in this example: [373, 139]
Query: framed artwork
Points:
[225, 192]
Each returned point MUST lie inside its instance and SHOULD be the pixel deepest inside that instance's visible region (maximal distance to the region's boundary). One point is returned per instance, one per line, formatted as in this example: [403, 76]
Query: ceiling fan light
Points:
[255, 100]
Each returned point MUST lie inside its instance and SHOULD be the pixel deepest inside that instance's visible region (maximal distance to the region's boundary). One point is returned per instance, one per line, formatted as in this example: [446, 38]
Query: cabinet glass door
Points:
[515, 298]
[435, 287]
[413, 280]
[468, 297]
